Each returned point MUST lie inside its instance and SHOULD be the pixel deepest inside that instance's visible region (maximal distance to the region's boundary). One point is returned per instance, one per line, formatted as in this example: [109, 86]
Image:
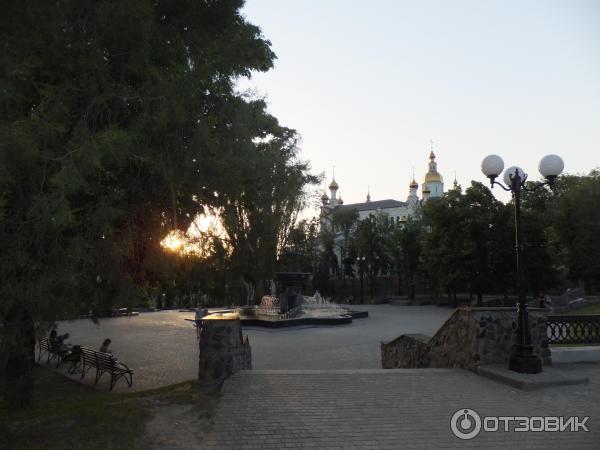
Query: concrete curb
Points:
[529, 382]
[575, 354]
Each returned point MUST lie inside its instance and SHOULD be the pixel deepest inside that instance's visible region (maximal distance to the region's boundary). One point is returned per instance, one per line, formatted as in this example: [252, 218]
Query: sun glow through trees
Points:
[200, 237]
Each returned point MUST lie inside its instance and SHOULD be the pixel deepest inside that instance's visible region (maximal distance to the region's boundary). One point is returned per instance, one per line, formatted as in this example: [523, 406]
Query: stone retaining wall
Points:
[223, 349]
[469, 338]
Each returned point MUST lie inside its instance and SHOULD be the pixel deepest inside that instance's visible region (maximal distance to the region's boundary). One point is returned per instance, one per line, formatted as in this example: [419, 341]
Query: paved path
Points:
[391, 409]
[359, 407]
[162, 348]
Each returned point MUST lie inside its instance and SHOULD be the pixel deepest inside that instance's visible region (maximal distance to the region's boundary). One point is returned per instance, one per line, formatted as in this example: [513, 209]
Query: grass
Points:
[585, 310]
[67, 415]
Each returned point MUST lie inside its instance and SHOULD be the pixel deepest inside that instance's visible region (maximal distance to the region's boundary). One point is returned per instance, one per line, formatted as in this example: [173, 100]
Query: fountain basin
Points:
[253, 317]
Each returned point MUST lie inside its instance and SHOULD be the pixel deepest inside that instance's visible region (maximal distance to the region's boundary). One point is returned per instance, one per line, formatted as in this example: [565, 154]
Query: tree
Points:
[487, 239]
[372, 240]
[406, 253]
[303, 238]
[578, 227]
[466, 241]
[115, 128]
[445, 243]
[540, 245]
[344, 221]
[262, 205]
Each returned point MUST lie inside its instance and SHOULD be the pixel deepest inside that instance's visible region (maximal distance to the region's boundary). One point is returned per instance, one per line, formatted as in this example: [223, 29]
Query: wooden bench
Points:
[104, 363]
[51, 349]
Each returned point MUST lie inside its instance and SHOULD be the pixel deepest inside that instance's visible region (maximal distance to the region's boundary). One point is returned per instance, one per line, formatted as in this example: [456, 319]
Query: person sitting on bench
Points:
[104, 348]
[62, 346]
[53, 338]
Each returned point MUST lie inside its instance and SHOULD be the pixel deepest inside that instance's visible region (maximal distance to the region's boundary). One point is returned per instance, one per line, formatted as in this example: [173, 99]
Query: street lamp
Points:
[523, 359]
[361, 262]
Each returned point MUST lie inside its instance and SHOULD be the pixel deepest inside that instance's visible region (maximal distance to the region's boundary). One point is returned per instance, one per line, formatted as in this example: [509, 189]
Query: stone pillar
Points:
[223, 349]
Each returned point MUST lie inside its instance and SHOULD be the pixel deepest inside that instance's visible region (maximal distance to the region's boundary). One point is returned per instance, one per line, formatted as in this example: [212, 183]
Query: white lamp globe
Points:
[492, 166]
[551, 166]
[511, 171]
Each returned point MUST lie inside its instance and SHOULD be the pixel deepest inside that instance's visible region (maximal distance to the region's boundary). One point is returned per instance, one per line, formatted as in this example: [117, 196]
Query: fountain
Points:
[291, 307]
[307, 310]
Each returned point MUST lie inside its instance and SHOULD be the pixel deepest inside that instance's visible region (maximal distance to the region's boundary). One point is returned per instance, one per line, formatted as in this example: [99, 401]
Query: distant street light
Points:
[361, 262]
[523, 359]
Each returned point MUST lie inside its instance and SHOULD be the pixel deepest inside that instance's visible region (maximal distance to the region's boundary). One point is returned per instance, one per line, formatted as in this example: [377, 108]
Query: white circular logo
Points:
[465, 424]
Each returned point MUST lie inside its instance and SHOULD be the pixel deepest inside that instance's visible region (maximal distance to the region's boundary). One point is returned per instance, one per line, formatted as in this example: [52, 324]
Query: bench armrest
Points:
[122, 366]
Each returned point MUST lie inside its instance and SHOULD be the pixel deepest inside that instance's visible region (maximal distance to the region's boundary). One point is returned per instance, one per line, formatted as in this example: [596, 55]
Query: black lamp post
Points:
[361, 262]
[371, 258]
[523, 358]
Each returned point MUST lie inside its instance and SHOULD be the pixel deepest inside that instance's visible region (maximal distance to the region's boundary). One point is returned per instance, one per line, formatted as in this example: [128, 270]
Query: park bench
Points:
[104, 363]
[51, 350]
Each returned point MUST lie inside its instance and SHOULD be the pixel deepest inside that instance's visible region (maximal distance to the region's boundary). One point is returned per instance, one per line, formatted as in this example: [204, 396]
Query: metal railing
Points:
[574, 329]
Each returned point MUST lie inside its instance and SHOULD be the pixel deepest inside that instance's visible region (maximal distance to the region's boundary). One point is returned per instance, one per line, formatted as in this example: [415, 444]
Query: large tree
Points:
[115, 127]
[578, 228]
[406, 253]
[468, 241]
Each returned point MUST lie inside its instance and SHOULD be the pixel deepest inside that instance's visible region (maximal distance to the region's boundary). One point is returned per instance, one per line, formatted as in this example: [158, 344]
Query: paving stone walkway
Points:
[297, 396]
[390, 409]
[162, 349]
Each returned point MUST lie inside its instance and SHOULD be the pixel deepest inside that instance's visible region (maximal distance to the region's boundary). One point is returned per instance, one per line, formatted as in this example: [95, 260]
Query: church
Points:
[399, 211]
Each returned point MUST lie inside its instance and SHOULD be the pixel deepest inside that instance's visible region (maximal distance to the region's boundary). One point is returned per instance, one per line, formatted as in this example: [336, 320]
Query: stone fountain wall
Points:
[469, 338]
[223, 350]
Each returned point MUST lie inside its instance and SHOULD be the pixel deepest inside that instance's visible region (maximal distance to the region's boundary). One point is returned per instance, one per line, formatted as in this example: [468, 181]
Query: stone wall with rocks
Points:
[469, 338]
[223, 349]
[406, 351]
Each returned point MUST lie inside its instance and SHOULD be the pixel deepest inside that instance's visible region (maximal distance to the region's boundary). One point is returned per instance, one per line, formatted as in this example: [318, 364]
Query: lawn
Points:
[586, 310]
[67, 415]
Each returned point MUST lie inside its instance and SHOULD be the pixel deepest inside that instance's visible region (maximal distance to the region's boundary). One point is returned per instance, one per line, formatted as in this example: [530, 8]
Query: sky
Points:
[368, 85]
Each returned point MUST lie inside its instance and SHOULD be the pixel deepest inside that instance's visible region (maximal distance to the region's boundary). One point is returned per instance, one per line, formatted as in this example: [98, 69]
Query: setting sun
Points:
[197, 239]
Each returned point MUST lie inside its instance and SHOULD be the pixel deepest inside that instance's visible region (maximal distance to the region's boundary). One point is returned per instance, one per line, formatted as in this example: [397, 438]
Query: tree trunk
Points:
[17, 358]
[400, 283]
[587, 286]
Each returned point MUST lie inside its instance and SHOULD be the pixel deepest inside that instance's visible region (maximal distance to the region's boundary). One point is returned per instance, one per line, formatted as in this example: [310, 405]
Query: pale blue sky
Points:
[368, 84]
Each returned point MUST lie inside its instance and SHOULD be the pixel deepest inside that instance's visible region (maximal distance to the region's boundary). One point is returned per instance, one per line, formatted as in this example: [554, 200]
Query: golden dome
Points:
[433, 176]
[333, 186]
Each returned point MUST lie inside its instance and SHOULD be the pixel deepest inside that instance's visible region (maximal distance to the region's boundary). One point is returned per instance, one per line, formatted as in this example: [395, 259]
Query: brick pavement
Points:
[359, 407]
[389, 409]
[162, 349]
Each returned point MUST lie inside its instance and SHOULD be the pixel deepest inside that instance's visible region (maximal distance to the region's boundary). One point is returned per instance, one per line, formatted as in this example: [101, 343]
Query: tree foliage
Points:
[578, 228]
[464, 241]
[120, 123]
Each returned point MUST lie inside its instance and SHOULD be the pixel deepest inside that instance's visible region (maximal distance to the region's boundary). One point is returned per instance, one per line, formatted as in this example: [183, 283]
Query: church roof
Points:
[373, 205]
[433, 176]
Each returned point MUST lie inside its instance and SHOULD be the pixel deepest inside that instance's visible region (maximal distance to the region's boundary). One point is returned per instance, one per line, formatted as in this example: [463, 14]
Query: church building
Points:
[397, 210]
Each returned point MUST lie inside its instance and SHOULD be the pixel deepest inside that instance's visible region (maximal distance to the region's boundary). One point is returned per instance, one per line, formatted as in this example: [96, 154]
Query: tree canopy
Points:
[119, 123]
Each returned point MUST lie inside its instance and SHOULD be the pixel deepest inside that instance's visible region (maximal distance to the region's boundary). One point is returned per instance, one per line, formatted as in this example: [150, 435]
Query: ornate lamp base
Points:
[523, 362]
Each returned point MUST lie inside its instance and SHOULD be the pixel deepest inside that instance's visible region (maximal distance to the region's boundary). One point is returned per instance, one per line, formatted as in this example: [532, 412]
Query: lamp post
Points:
[523, 358]
[361, 262]
[371, 259]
